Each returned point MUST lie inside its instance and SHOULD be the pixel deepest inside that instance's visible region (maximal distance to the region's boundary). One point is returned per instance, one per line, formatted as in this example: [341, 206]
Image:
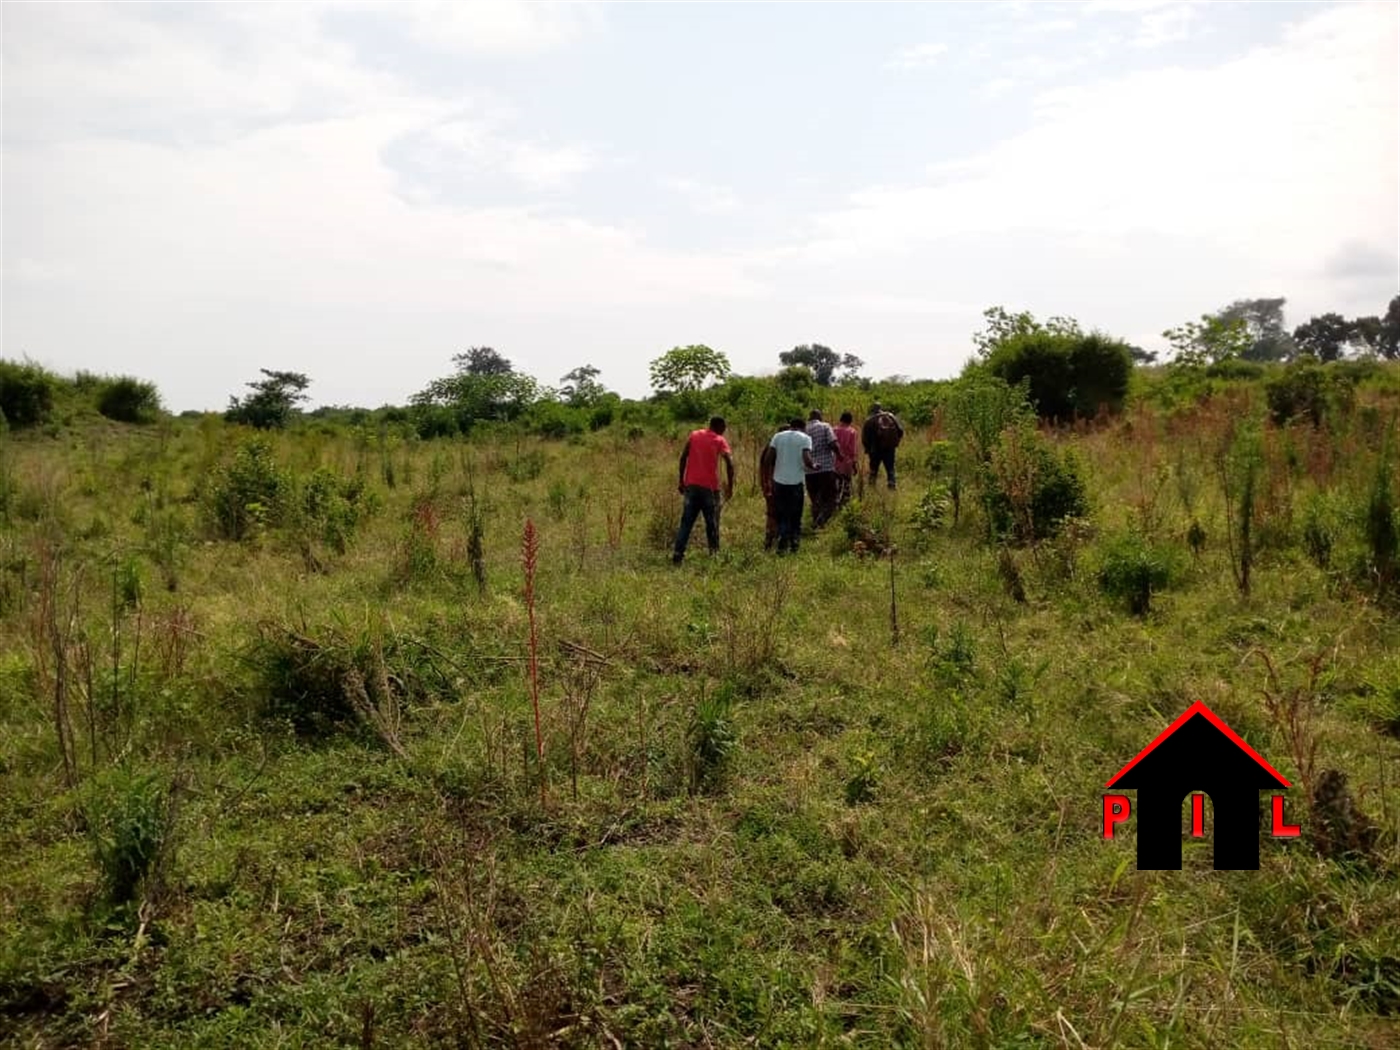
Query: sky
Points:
[359, 190]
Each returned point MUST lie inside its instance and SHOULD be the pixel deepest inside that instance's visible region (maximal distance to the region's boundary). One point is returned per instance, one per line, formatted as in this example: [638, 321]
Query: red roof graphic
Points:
[1199, 708]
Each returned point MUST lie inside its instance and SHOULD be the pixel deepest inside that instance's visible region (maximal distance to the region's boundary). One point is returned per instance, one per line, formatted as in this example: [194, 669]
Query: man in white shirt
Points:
[789, 455]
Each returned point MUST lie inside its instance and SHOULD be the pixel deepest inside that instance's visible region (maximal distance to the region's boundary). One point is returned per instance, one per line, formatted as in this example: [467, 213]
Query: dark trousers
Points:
[821, 490]
[698, 500]
[787, 504]
[843, 490]
[882, 457]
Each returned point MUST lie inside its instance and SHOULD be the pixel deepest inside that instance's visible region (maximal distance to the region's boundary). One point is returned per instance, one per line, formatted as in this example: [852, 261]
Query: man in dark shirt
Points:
[881, 435]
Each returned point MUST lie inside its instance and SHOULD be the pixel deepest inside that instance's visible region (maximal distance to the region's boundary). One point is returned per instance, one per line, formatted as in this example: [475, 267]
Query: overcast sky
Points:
[359, 190]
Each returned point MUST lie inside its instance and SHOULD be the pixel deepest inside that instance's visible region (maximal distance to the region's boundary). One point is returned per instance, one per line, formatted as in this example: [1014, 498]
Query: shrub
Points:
[1322, 527]
[1069, 373]
[935, 510]
[1305, 390]
[1133, 570]
[129, 400]
[434, 421]
[1031, 490]
[130, 821]
[26, 394]
[334, 506]
[319, 679]
[710, 741]
[1382, 525]
[249, 492]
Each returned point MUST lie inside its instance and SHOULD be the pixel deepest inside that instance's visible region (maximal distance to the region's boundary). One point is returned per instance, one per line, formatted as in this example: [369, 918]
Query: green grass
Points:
[787, 830]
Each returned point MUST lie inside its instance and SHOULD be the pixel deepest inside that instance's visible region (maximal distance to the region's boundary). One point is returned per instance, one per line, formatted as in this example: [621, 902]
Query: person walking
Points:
[821, 480]
[789, 457]
[881, 435]
[846, 438]
[699, 484]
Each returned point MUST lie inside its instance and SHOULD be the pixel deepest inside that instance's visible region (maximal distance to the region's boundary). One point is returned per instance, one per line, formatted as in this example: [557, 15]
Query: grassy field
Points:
[269, 777]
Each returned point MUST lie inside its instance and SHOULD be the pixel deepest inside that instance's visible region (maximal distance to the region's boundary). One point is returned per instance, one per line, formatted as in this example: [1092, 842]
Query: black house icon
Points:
[1198, 752]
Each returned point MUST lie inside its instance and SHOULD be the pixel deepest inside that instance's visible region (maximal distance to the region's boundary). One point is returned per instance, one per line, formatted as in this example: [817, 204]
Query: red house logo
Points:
[1197, 755]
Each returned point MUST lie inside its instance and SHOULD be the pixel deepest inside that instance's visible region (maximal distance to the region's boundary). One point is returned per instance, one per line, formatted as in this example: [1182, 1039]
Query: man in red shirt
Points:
[699, 484]
[845, 458]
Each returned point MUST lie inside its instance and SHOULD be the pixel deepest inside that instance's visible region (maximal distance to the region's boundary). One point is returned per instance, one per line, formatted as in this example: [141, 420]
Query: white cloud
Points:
[500, 26]
[917, 56]
[1265, 164]
[998, 87]
[1165, 25]
[704, 198]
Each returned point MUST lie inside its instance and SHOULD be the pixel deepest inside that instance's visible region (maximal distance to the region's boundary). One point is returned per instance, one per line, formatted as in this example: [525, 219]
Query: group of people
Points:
[809, 460]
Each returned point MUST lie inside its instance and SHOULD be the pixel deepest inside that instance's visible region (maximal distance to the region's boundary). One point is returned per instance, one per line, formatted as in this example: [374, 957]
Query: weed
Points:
[710, 741]
[1132, 570]
[864, 781]
[130, 821]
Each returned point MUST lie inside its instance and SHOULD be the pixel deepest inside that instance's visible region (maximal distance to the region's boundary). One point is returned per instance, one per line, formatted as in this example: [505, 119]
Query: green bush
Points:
[710, 741]
[334, 506]
[1055, 493]
[1305, 390]
[1132, 570]
[26, 394]
[130, 821]
[251, 491]
[129, 400]
[1070, 374]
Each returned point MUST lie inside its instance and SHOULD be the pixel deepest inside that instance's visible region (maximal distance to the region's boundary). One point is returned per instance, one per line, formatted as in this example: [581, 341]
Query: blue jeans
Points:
[698, 500]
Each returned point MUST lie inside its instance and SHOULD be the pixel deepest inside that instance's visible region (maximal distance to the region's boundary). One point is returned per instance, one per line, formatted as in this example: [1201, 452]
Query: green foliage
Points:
[273, 400]
[1031, 488]
[710, 741]
[1067, 372]
[979, 408]
[130, 819]
[1322, 527]
[129, 400]
[823, 362]
[334, 506]
[1305, 390]
[248, 493]
[1382, 523]
[581, 388]
[474, 397]
[1132, 569]
[688, 368]
[864, 782]
[26, 394]
[1262, 321]
[1210, 340]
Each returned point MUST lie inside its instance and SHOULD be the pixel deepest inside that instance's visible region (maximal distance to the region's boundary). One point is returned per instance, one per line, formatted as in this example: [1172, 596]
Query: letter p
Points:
[1116, 809]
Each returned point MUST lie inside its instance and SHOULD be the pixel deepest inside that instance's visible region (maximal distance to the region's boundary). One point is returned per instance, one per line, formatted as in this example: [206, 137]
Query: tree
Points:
[483, 393]
[482, 361]
[1263, 321]
[272, 402]
[1389, 331]
[1324, 337]
[1003, 325]
[1141, 356]
[823, 361]
[1208, 341]
[1068, 372]
[684, 369]
[581, 387]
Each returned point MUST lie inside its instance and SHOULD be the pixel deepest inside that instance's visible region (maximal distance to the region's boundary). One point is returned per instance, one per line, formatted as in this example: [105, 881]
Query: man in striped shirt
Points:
[821, 481]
